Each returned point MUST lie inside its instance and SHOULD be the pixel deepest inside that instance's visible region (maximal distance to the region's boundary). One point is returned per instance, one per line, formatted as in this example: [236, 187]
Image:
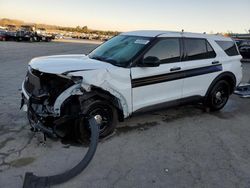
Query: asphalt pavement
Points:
[178, 147]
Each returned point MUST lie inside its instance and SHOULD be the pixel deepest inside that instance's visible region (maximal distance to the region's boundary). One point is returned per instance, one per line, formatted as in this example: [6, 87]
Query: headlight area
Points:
[75, 79]
[52, 101]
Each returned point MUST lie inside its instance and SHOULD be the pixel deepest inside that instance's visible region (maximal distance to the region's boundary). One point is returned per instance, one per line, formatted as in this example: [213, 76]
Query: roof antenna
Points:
[204, 32]
[182, 30]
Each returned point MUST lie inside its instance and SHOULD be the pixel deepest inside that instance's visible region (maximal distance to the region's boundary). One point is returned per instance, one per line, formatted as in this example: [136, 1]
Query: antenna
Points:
[182, 30]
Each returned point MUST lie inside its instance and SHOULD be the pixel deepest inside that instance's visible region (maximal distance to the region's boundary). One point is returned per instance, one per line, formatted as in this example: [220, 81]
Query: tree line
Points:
[6, 22]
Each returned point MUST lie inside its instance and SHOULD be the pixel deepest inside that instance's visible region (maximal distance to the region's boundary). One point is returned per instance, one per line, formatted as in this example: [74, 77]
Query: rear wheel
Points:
[92, 108]
[218, 96]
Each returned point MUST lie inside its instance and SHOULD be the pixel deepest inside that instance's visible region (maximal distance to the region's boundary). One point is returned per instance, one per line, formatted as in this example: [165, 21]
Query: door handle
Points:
[175, 69]
[215, 62]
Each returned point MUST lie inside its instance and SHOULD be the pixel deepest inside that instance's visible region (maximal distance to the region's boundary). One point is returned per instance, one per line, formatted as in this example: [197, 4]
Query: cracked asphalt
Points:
[178, 147]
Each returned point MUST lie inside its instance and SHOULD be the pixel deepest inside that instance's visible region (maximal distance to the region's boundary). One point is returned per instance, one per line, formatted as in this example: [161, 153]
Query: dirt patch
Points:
[3, 143]
[138, 127]
[22, 162]
[182, 112]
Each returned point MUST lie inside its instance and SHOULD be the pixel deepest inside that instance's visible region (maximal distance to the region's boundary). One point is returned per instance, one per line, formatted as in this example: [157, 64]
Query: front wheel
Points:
[218, 96]
[108, 115]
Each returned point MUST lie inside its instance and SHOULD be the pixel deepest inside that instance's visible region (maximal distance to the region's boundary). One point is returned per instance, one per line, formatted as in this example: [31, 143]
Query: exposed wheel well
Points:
[72, 106]
[100, 94]
[231, 82]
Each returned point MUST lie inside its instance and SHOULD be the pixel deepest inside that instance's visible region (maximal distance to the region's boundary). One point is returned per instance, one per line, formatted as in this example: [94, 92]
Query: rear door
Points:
[200, 66]
[155, 85]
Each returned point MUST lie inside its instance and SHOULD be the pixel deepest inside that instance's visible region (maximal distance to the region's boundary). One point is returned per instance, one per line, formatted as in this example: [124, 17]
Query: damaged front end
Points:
[46, 99]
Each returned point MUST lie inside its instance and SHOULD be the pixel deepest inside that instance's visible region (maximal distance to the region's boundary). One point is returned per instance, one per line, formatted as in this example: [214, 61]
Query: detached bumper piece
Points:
[243, 90]
[33, 181]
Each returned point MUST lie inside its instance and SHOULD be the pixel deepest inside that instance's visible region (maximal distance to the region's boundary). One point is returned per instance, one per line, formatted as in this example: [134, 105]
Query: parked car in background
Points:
[42, 35]
[26, 33]
[238, 42]
[7, 35]
[59, 36]
[244, 49]
[2, 35]
[30, 33]
[11, 35]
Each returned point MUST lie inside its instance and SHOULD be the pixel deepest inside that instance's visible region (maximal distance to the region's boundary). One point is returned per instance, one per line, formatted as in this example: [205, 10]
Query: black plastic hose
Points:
[33, 181]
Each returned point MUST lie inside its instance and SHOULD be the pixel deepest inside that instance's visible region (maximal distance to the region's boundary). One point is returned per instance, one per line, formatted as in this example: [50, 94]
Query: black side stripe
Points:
[139, 82]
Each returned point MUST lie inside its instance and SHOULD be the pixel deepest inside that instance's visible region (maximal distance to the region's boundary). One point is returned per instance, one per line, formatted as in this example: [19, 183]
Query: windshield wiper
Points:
[111, 61]
[98, 58]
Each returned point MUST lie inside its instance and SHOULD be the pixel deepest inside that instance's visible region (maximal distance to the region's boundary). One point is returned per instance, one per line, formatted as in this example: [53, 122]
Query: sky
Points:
[209, 16]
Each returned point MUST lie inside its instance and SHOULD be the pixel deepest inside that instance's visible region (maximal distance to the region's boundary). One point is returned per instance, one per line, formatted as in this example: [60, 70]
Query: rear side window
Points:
[166, 50]
[229, 47]
[198, 49]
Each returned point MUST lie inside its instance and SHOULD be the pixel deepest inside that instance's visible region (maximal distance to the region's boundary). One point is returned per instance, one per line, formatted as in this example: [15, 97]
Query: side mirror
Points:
[150, 61]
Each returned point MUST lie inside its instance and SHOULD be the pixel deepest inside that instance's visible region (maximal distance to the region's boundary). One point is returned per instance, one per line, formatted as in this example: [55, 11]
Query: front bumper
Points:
[38, 118]
[45, 99]
[36, 124]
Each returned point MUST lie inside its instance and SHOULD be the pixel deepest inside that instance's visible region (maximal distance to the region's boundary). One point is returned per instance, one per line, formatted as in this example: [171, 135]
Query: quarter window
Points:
[198, 49]
[229, 47]
[166, 50]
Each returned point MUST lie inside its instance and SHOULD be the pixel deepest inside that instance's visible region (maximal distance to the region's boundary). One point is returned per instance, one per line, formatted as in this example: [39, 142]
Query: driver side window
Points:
[166, 51]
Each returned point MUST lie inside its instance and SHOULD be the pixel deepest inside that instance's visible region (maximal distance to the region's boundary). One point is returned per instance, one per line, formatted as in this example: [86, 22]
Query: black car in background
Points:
[2, 35]
[26, 33]
[244, 48]
[7, 35]
[30, 33]
[10, 35]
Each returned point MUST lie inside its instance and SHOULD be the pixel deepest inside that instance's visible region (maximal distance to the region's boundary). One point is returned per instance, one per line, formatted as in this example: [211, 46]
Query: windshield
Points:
[120, 50]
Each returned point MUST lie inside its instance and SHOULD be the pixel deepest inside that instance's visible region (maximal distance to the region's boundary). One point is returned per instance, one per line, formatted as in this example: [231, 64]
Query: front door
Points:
[155, 85]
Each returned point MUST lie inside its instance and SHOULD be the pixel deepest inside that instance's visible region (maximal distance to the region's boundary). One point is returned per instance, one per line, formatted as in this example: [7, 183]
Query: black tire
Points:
[218, 96]
[94, 107]
[31, 39]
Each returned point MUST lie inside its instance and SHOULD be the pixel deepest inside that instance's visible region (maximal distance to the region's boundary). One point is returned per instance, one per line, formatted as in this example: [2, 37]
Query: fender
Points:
[73, 90]
[87, 94]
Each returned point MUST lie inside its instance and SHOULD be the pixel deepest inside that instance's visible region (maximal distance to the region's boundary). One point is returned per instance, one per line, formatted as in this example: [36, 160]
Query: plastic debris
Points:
[243, 90]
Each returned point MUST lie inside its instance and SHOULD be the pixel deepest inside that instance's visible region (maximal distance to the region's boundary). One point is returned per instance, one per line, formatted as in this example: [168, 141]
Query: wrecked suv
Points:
[131, 72]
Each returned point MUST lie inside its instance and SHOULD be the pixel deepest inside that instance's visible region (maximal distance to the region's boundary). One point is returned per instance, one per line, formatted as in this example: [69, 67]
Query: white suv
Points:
[129, 73]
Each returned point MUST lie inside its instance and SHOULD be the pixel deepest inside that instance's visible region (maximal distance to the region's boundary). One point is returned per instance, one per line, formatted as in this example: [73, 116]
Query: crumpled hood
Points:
[59, 64]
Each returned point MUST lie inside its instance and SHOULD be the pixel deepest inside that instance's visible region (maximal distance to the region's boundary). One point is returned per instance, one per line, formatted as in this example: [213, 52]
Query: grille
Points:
[38, 83]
